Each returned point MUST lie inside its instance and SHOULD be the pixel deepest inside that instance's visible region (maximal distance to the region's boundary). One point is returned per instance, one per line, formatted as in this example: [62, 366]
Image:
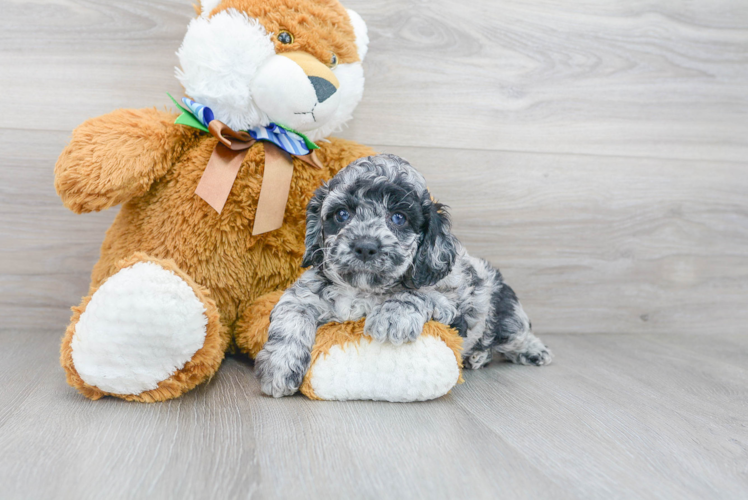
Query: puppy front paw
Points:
[394, 323]
[279, 375]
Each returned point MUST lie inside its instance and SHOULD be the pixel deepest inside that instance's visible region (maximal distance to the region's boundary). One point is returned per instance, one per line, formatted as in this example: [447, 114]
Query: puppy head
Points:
[374, 225]
[296, 63]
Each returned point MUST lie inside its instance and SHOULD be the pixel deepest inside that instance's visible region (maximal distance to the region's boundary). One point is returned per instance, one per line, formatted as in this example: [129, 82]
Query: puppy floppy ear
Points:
[437, 251]
[313, 255]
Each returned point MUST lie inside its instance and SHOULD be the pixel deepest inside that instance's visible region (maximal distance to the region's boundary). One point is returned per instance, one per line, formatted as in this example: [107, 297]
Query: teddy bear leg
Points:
[251, 331]
[147, 333]
[347, 365]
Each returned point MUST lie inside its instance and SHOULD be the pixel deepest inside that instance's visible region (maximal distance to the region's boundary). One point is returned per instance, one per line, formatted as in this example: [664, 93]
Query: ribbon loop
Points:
[311, 160]
[222, 132]
[280, 143]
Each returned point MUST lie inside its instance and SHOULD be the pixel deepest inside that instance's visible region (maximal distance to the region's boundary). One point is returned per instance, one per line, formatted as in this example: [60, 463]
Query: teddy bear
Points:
[213, 200]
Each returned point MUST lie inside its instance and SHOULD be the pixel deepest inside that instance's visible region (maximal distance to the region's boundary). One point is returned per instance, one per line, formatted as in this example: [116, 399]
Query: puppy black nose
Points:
[366, 249]
[322, 88]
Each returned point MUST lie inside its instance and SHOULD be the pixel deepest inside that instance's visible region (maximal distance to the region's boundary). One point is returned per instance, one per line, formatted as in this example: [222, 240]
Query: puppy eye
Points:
[342, 215]
[398, 219]
[285, 37]
[333, 60]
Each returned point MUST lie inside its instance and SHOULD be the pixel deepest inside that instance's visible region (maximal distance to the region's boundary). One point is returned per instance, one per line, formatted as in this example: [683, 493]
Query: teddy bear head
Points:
[295, 63]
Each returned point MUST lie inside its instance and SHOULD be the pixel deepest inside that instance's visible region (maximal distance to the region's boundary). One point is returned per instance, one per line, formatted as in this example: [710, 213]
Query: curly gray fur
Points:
[380, 248]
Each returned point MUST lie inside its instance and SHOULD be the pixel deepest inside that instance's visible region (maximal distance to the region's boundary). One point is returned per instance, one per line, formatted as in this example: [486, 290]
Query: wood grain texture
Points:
[617, 416]
[604, 244]
[636, 78]
[591, 244]
[611, 242]
[594, 151]
[639, 78]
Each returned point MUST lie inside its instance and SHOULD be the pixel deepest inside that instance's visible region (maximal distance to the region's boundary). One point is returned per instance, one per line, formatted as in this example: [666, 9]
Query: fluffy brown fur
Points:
[141, 158]
[254, 323]
[319, 27]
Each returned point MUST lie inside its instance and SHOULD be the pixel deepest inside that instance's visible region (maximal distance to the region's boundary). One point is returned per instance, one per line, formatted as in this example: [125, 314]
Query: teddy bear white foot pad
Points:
[348, 365]
[422, 370]
[140, 327]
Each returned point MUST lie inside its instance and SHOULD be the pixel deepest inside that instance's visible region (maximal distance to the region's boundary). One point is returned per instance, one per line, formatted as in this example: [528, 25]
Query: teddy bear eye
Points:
[285, 37]
[333, 60]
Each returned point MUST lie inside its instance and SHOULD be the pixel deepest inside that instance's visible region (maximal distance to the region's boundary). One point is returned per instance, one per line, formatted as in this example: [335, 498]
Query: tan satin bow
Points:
[223, 167]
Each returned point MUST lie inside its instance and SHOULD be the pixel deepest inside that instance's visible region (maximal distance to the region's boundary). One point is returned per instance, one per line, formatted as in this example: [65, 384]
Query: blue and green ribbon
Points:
[198, 116]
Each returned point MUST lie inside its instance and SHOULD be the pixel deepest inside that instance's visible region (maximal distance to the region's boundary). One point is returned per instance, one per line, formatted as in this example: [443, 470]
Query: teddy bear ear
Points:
[362, 35]
[207, 6]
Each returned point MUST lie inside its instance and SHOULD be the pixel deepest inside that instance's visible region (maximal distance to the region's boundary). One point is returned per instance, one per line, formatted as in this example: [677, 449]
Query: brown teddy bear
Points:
[213, 206]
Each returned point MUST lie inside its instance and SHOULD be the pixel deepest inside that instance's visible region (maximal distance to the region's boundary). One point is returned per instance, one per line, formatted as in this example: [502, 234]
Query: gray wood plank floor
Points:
[619, 416]
[595, 151]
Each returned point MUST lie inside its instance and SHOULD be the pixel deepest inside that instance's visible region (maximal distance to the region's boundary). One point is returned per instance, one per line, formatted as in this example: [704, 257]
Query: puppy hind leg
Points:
[526, 349]
[477, 358]
[511, 331]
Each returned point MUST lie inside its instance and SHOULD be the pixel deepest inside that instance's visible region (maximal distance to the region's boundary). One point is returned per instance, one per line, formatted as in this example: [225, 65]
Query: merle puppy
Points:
[379, 247]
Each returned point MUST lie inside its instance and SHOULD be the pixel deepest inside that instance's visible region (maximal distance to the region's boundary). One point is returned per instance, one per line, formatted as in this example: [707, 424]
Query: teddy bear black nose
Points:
[366, 249]
[322, 88]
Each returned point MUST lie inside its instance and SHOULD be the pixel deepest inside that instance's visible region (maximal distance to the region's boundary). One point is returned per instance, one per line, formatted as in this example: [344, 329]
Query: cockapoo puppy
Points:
[379, 247]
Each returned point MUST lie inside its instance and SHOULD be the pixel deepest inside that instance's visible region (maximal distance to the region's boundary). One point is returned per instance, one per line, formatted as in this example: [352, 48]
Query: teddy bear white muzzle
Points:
[296, 90]
[228, 62]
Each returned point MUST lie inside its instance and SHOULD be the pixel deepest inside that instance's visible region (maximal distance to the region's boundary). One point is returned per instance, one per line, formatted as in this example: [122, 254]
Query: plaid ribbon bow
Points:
[290, 141]
[281, 144]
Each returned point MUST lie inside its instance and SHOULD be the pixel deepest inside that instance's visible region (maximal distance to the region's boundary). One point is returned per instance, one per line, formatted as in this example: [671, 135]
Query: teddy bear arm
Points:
[115, 157]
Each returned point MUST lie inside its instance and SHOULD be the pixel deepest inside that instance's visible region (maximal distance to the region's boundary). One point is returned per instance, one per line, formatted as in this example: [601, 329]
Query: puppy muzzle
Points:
[366, 249]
